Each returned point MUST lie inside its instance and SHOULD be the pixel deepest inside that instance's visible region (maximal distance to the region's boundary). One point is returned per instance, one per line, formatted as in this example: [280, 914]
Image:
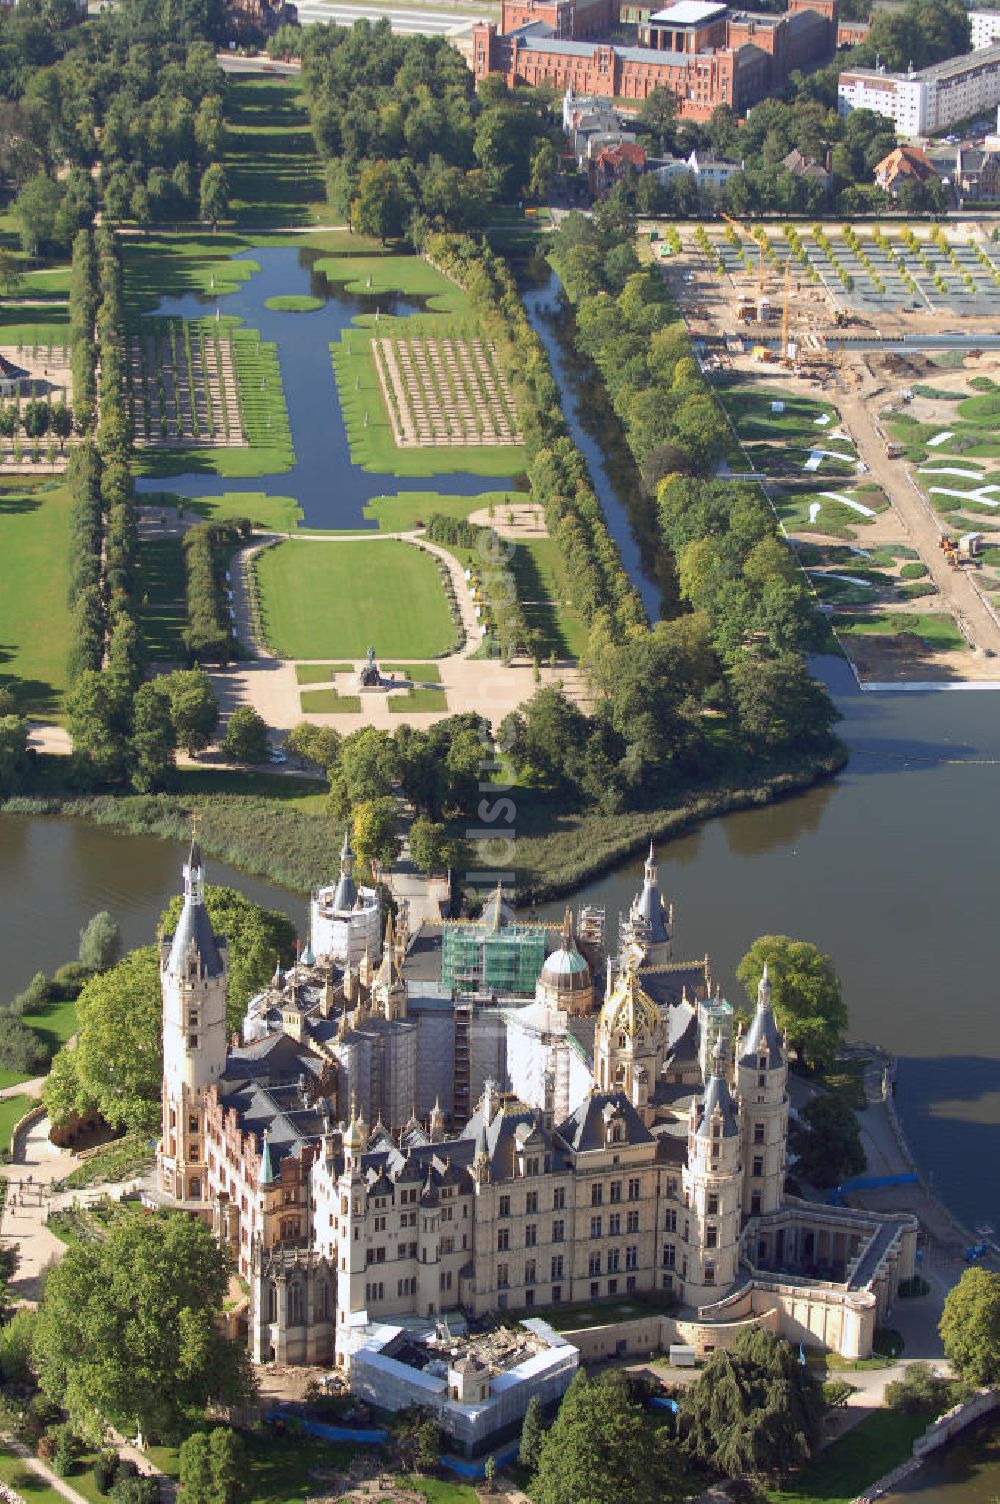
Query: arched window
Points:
[272, 1302]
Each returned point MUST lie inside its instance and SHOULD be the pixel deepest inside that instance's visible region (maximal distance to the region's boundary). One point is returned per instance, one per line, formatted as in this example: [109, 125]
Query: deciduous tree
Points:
[827, 1140]
[598, 1449]
[970, 1326]
[129, 1329]
[806, 994]
[100, 942]
[246, 736]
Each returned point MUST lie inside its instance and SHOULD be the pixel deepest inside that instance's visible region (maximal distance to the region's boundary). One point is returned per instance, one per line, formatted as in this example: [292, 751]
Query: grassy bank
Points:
[278, 828]
[842, 1470]
[560, 850]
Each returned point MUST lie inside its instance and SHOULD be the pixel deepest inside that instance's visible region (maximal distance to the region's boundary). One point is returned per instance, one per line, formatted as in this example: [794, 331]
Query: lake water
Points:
[892, 870]
[56, 874]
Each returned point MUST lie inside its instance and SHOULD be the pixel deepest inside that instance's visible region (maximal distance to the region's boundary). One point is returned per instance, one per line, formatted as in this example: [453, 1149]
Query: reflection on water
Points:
[331, 490]
[56, 874]
[964, 1472]
[541, 296]
[892, 869]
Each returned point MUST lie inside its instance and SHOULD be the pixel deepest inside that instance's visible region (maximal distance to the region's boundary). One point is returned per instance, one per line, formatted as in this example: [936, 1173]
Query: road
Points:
[958, 593]
[427, 23]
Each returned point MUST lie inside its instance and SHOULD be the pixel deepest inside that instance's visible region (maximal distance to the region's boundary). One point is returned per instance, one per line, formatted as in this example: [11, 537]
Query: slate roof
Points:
[583, 1130]
[718, 1099]
[195, 928]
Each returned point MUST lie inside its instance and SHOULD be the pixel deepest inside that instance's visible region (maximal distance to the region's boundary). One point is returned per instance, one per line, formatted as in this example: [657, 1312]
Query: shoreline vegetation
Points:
[281, 831]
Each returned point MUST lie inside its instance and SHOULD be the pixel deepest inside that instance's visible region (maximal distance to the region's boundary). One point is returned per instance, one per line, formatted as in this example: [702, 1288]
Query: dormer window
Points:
[622, 1040]
[617, 1134]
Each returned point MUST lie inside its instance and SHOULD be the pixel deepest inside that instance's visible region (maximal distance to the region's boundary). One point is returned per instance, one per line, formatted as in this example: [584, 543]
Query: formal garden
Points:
[421, 394]
[445, 391]
[183, 385]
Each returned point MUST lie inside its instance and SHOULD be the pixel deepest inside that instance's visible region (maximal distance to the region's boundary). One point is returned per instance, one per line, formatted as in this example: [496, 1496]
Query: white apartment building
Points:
[922, 103]
[985, 28]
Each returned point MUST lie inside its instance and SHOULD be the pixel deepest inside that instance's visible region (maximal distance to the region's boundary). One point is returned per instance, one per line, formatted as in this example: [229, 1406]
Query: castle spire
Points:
[346, 893]
[267, 1176]
[763, 1036]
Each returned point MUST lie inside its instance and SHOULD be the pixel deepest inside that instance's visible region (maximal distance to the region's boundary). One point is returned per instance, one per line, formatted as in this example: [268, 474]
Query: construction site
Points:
[859, 368]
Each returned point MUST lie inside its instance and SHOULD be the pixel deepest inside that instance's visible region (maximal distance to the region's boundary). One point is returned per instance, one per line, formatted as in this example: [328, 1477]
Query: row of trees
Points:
[591, 570]
[505, 619]
[126, 733]
[742, 617]
[207, 636]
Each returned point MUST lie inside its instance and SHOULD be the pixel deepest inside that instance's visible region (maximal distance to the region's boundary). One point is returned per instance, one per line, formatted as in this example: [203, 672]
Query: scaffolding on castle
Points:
[509, 960]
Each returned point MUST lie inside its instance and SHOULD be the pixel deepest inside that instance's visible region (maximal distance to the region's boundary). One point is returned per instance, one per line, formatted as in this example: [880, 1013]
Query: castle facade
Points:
[620, 1140]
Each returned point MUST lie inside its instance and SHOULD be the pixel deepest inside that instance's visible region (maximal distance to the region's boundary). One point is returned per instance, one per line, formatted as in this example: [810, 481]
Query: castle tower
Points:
[713, 1187]
[762, 1080]
[194, 971]
[353, 1248]
[650, 921]
[631, 1041]
[389, 984]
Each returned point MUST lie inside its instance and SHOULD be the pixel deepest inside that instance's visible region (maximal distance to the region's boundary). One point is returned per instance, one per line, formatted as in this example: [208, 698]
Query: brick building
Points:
[705, 54]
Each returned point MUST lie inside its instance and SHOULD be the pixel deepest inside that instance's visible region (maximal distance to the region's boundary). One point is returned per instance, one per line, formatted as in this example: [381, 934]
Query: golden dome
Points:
[628, 1008]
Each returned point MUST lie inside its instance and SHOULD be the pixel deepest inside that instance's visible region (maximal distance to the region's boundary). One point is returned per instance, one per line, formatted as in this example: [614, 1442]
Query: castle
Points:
[619, 1139]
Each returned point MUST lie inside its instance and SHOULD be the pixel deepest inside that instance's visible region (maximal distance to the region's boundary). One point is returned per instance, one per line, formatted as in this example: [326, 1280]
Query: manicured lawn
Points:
[937, 630]
[161, 591]
[840, 1472]
[33, 327]
[318, 673]
[410, 275]
[34, 575]
[397, 514]
[274, 514]
[440, 1491]
[20, 1477]
[275, 177]
[287, 1469]
[336, 599]
[293, 302]
[12, 1110]
[753, 417]
[54, 1021]
[170, 265]
[536, 569]
[328, 702]
[418, 673]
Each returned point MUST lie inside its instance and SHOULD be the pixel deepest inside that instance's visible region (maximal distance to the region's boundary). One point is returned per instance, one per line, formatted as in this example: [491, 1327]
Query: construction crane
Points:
[786, 311]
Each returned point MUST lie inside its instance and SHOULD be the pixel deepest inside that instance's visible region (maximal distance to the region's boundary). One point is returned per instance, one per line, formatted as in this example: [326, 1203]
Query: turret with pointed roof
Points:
[762, 1079]
[346, 893]
[649, 918]
[193, 978]
[763, 1041]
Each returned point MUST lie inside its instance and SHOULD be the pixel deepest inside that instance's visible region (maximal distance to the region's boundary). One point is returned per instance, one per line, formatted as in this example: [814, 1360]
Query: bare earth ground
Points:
[856, 385]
